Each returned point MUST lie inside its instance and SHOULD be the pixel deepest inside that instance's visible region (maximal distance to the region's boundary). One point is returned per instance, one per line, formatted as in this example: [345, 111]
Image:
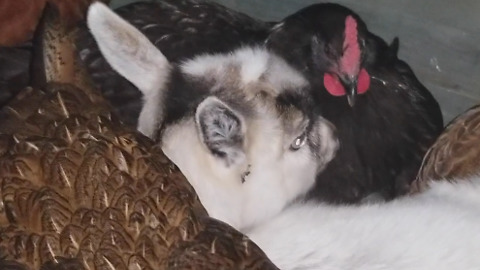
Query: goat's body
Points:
[435, 230]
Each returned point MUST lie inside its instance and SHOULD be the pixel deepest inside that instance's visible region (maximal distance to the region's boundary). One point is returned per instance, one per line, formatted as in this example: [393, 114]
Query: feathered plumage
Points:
[455, 154]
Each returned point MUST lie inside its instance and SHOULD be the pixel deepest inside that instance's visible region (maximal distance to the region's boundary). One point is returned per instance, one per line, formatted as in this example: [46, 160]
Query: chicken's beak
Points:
[350, 85]
[351, 96]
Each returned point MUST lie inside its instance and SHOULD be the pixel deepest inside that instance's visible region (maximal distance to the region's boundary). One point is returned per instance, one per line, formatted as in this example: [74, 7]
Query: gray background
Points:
[438, 38]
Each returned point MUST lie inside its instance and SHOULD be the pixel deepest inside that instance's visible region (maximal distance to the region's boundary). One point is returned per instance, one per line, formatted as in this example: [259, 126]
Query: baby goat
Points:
[240, 125]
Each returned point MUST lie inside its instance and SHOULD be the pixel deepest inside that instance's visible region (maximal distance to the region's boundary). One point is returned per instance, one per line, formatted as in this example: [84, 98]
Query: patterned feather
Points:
[455, 154]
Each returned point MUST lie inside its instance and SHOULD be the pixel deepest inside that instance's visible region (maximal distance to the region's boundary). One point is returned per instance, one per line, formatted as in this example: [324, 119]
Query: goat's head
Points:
[240, 126]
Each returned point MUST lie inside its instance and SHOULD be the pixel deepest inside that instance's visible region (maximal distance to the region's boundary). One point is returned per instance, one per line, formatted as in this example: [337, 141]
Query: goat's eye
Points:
[298, 142]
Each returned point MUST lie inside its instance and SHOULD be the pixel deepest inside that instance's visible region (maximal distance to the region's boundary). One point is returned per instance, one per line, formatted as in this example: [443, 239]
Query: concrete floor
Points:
[438, 38]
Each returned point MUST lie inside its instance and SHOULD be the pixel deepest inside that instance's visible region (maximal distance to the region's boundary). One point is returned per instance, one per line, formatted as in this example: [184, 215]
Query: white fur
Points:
[182, 145]
[253, 62]
[439, 229]
[282, 76]
[277, 175]
[133, 56]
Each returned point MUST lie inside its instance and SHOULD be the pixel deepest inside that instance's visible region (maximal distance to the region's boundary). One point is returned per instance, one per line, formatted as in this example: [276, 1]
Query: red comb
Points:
[350, 61]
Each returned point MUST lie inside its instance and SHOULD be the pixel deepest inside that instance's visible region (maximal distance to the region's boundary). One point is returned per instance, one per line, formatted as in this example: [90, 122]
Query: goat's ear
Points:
[222, 130]
[127, 50]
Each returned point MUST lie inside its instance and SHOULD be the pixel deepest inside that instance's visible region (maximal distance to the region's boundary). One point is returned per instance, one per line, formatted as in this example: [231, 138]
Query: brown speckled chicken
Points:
[455, 154]
[78, 190]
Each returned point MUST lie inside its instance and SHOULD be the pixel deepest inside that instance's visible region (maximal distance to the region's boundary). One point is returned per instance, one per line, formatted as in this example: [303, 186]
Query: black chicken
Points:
[385, 131]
